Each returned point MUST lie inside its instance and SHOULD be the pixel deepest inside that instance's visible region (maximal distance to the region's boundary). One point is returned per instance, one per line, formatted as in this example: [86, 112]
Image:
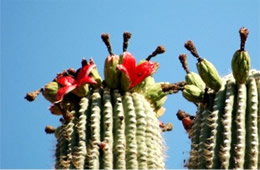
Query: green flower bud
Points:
[194, 79]
[209, 74]
[241, 66]
[82, 90]
[50, 90]
[95, 75]
[193, 93]
[110, 71]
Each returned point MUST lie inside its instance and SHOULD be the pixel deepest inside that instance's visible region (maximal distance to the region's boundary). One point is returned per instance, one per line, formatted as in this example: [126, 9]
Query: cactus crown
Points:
[225, 130]
[110, 123]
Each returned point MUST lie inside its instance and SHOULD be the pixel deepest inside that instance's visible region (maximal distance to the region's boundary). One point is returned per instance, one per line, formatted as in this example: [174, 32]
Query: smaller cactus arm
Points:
[215, 126]
[107, 122]
[193, 162]
[130, 131]
[93, 155]
[239, 150]
[251, 155]
[119, 132]
[140, 131]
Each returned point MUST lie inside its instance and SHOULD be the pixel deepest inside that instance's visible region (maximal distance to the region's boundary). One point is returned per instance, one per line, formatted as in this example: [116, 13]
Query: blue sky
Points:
[41, 38]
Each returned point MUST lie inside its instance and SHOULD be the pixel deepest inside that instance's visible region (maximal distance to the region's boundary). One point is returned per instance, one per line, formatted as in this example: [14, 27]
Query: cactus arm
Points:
[130, 131]
[214, 124]
[119, 132]
[193, 160]
[95, 130]
[140, 131]
[251, 155]
[107, 122]
[239, 150]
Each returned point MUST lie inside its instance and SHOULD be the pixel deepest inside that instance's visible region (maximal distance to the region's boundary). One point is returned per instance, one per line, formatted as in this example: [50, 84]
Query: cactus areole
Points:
[111, 123]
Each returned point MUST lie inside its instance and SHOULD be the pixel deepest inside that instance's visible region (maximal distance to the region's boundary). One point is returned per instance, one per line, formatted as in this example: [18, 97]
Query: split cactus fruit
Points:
[111, 124]
[225, 132]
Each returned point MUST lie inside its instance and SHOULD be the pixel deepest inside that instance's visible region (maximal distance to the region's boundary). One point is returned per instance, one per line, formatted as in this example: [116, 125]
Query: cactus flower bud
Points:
[241, 66]
[50, 90]
[209, 74]
[194, 79]
[241, 59]
[81, 90]
[193, 93]
[110, 71]
[95, 75]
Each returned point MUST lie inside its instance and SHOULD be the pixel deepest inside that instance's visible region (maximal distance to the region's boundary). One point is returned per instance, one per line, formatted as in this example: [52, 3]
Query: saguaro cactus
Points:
[225, 132]
[108, 125]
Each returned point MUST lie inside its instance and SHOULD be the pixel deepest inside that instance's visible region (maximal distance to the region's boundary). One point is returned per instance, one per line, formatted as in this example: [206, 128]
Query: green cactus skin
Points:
[226, 133]
[110, 131]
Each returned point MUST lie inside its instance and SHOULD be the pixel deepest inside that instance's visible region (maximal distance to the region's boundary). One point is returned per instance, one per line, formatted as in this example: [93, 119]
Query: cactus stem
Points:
[243, 37]
[159, 50]
[126, 36]
[183, 60]
[189, 45]
[105, 38]
[173, 88]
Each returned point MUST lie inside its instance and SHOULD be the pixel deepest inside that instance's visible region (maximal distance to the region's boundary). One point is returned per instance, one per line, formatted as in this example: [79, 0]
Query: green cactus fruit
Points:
[50, 90]
[241, 60]
[226, 133]
[94, 73]
[111, 73]
[241, 66]
[209, 74]
[194, 79]
[193, 93]
[110, 131]
[82, 90]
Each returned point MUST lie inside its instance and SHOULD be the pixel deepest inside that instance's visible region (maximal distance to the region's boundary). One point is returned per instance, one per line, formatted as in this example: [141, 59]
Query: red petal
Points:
[66, 80]
[142, 71]
[128, 61]
[64, 90]
[86, 80]
[85, 71]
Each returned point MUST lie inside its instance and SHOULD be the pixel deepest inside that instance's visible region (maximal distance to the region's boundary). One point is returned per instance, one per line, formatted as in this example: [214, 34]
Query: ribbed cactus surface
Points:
[110, 131]
[225, 133]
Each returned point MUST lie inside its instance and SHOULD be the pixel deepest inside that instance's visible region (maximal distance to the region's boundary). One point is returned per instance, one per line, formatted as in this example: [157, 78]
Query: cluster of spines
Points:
[226, 134]
[109, 131]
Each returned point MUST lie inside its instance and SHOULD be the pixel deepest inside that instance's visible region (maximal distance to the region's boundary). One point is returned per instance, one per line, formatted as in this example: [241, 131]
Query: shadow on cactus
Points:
[110, 123]
[225, 132]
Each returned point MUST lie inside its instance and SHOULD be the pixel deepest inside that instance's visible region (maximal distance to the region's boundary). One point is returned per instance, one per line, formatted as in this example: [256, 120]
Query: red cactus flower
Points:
[69, 83]
[136, 74]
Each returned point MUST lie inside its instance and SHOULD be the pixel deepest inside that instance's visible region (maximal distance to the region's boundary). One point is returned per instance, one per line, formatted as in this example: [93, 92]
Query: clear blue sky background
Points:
[41, 38]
